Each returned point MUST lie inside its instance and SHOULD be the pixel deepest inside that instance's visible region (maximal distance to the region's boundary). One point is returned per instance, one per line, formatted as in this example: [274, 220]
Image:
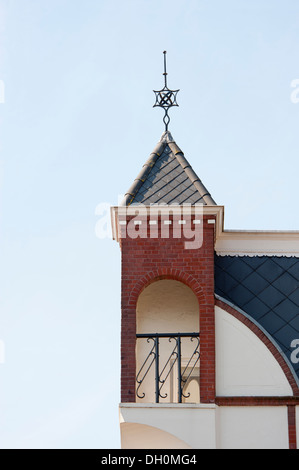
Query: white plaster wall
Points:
[141, 436]
[191, 425]
[203, 427]
[252, 428]
[165, 306]
[244, 365]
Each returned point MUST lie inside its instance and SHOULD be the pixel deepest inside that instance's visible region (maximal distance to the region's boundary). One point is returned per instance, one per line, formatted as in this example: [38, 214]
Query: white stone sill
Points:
[196, 406]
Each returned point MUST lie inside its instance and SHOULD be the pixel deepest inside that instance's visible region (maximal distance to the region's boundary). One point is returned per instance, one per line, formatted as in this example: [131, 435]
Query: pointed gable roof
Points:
[167, 178]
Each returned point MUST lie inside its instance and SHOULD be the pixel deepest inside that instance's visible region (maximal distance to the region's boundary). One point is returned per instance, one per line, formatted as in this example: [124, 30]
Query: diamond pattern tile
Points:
[267, 289]
[166, 170]
[167, 180]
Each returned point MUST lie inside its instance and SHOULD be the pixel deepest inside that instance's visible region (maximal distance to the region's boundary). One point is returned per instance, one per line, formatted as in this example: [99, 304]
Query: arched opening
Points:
[141, 436]
[167, 348]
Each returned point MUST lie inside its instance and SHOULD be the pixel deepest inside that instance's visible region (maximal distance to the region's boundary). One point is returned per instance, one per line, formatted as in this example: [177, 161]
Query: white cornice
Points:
[227, 242]
[257, 243]
[118, 212]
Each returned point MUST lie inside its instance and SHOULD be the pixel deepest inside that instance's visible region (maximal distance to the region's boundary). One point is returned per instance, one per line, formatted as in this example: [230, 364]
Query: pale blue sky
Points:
[76, 127]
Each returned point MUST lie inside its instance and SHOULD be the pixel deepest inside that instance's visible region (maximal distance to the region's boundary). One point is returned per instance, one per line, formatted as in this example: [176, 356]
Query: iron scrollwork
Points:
[166, 98]
[163, 372]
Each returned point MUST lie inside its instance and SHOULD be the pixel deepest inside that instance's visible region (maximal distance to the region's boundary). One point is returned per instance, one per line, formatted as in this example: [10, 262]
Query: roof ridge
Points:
[143, 174]
[205, 194]
[167, 137]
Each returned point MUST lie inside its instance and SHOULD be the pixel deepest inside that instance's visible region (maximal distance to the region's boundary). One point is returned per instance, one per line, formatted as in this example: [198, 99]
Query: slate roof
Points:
[267, 289]
[167, 178]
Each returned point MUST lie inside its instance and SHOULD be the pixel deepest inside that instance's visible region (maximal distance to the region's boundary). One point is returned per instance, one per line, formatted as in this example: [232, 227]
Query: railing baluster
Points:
[184, 381]
[157, 374]
[179, 369]
[161, 377]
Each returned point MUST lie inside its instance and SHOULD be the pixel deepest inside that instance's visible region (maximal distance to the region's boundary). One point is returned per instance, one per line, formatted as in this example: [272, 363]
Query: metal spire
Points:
[166, 98]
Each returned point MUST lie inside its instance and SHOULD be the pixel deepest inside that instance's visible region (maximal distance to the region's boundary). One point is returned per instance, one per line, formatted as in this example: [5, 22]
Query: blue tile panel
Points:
[267, 289]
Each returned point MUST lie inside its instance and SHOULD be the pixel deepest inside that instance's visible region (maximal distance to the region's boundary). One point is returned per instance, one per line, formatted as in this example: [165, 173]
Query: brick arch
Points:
[221, 303]
[162, 274]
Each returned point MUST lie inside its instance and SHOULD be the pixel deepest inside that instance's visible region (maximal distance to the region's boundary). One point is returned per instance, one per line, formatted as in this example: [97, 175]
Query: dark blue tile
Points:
[240, 295]
[287, 310]
[272, 323]
[286, 263]
[295, 297]
[239, 270]
[285, 336]
[256, 308]
[255, 261]
[295, 324]
[286, 283]
[255, 283]
[271, 297]
[270, 270]
[294, 269]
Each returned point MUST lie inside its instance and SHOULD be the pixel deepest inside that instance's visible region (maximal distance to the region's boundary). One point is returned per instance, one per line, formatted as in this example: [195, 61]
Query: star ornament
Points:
[166, 98]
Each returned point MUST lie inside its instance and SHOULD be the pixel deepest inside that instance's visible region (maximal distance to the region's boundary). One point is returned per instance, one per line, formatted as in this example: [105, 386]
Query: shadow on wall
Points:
[141, 436]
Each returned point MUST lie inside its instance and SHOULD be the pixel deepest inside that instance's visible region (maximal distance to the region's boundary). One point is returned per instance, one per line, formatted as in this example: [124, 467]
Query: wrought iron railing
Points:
[164, 366]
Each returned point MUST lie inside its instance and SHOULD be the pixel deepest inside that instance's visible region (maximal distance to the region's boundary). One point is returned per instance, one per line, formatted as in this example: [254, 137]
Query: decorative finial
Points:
[166, 98]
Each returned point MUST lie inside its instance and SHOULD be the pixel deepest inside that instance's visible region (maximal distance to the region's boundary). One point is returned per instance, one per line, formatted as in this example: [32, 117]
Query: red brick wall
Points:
[292, 427]
[145, 260]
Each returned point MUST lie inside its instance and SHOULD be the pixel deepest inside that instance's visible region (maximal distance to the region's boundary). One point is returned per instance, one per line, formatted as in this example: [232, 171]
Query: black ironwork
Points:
[166, 98]
[175, 358]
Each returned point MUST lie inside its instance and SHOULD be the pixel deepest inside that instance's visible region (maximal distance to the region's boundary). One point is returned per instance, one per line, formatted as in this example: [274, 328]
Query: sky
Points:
[76, 125]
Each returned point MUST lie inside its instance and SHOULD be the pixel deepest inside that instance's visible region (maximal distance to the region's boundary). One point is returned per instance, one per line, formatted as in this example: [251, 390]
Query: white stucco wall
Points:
[252, 428]
[244, 365]
[167, 306]
[203, 427]
[180, 426]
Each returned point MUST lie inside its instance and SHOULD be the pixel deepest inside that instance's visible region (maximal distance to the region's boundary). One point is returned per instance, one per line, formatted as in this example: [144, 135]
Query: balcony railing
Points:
[170, 362]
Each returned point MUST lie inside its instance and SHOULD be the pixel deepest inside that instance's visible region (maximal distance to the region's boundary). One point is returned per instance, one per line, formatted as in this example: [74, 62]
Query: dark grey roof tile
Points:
[272, 323]
[294, 297]
[166, 177]
[241, 295]
[257, 308]
[270, 270]
[295, 324]
[286, 283]
[287, 310]
[271, 296]
[285, 336]
[294, 270]
[254, 279]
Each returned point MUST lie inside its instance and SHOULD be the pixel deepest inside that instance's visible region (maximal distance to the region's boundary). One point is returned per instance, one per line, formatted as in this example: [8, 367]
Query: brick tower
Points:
[166, 230]
[209, 318]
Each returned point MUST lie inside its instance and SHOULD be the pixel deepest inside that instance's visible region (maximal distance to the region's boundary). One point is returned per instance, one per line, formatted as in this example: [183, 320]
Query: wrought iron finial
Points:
[165, 71]
[166, 98]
